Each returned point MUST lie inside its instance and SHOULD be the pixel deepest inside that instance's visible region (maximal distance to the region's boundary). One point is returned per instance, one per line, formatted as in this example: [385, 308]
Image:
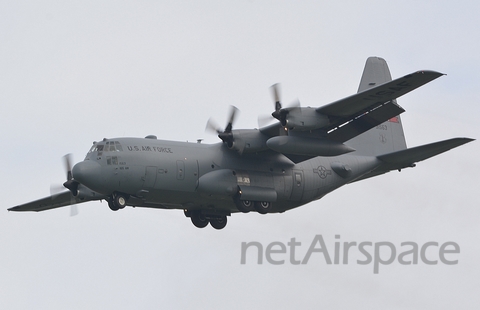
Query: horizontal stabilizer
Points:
[407, 157]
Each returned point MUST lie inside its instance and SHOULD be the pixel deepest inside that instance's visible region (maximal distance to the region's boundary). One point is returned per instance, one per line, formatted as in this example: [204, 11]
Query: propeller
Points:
[70, 184]
[226, 134]
[279, 113]
[275, 89]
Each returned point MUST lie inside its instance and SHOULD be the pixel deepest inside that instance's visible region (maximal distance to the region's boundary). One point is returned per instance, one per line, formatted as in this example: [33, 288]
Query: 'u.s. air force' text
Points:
[158, 149]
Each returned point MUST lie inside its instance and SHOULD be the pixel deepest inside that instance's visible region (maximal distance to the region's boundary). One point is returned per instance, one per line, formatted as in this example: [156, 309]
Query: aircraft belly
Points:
[170, 199]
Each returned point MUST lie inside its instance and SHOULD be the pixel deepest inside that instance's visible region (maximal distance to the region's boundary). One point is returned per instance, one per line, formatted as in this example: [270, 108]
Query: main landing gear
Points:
[117, 201]
[201, 220]
[245, 206]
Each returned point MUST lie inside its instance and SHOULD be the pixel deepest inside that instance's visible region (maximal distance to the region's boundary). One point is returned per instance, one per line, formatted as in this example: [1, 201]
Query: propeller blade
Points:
[67, 160]
[233, 113]
[212, 126]
[73, 206]
[70, 184]
[55, 190]
[275, 88]
[73, 210]
[294, 105]
[264, 120]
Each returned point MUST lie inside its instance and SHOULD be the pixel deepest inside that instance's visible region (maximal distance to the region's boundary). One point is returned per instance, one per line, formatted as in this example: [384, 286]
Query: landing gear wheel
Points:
[199, 219]
[263, 207]
[117, 202]
[244, 206]
[120, 201]
[219, 222]
[112, 205]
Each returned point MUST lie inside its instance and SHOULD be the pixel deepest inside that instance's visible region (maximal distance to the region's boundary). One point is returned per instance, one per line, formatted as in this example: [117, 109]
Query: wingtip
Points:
[430, 72]
[461, 141]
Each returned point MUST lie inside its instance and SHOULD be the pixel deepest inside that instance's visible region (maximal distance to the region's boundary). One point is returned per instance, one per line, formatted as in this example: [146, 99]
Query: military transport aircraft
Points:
[305, 155]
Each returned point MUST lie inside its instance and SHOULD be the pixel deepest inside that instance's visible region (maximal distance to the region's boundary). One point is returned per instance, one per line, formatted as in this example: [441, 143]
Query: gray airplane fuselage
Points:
[182, 175]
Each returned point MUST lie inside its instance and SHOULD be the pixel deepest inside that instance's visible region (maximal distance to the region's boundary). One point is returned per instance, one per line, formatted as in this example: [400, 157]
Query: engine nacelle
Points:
[304, 119]
[307, 146]
[84, 193]
[248, 141]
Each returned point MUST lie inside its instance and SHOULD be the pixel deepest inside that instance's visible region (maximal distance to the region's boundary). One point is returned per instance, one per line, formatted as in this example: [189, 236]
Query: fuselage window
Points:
[112, 160]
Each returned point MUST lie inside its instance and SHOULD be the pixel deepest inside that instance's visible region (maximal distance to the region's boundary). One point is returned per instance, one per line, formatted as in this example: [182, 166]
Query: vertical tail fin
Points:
[386, 137]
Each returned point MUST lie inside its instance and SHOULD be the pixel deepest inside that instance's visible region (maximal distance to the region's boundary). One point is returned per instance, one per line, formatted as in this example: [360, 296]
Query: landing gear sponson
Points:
[200, 219]
[219, 221]
[245, 206]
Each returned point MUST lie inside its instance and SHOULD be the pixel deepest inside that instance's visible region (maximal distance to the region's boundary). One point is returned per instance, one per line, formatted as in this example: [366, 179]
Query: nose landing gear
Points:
[117, 201]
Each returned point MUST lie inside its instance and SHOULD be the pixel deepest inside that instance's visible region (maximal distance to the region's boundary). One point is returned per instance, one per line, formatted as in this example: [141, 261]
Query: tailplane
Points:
[408, 157]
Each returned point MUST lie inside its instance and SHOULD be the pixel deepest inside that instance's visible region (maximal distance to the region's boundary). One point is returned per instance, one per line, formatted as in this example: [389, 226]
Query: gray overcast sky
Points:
[75, 72]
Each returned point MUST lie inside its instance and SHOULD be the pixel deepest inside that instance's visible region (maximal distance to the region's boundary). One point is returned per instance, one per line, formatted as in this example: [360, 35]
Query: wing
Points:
[353, 115]
[374, 96]
[52, 202]
[358, 113]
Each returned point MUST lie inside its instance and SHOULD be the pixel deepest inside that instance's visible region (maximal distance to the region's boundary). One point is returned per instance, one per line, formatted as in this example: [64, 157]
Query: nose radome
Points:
[87, 173]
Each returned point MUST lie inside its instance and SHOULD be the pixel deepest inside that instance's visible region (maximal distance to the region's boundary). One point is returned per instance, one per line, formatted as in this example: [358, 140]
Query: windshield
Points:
[105, 146]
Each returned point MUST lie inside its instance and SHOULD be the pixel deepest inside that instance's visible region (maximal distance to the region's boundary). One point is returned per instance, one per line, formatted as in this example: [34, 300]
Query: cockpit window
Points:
[113, 146]
[96, 148]
[118, 146]
[105, 146]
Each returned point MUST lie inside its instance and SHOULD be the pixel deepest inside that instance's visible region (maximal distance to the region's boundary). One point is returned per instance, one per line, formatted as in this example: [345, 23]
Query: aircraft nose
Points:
[88, 173]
